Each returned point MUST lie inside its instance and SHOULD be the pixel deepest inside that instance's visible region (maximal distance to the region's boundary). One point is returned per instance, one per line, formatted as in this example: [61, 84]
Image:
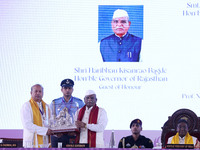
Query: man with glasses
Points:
[120, 46]
[34, 116]
[182, 136]
[92, 121]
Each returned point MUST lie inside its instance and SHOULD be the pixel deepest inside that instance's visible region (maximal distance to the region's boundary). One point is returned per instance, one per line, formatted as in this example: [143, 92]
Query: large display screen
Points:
[47, 41]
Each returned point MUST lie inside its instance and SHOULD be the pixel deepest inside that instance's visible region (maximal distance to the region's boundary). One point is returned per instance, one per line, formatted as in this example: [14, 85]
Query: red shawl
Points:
[92, 119]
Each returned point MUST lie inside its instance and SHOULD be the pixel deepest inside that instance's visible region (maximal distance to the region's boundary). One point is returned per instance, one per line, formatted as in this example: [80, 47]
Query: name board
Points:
[10, 143]
[77, 145]
[180, 146]
[5, 145]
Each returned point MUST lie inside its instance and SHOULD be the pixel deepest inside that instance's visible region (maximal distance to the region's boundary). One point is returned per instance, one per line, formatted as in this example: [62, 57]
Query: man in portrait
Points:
[120, 46]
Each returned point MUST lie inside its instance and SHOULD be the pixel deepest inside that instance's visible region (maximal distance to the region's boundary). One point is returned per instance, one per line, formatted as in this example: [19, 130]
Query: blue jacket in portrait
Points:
[125, 49]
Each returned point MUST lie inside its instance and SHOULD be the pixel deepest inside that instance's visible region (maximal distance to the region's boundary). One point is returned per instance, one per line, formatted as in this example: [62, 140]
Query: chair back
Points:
[169, 127]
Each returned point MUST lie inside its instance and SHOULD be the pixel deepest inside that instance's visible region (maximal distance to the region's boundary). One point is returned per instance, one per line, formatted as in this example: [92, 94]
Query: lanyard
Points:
[41, 111]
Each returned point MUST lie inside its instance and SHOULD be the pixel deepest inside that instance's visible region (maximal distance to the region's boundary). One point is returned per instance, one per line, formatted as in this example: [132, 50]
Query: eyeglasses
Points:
[90, 97]
[121, 21]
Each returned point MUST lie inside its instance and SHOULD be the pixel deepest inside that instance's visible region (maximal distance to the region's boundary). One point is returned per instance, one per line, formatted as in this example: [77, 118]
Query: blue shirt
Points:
[72, 105]
[125, 49]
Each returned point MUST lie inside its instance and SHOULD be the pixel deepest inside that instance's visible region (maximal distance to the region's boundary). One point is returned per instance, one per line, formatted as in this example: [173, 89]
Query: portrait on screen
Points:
[120, 33]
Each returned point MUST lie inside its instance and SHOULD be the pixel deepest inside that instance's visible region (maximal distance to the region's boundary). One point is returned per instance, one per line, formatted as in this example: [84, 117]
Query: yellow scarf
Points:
[188, 139]
[37, 117]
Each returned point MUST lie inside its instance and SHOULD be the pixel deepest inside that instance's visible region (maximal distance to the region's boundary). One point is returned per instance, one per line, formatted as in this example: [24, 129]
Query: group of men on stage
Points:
[90, 119]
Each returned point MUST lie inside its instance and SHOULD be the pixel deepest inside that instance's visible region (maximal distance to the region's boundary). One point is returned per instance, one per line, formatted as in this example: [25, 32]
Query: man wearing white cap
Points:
[120, 46]
[92, 121]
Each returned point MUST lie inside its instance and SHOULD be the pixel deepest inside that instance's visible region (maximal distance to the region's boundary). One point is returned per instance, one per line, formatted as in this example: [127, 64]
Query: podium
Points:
[73, 133]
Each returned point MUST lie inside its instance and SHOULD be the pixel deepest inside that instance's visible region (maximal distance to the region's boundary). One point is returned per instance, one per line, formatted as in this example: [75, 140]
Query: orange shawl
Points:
[37, 117]
[188, 139]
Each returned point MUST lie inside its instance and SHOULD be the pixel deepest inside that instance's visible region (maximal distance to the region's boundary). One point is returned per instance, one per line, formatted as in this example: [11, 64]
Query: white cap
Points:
[90, 92]
[120, 13]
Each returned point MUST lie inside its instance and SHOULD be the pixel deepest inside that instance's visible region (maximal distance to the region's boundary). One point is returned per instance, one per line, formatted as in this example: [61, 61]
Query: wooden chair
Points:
[169, 127]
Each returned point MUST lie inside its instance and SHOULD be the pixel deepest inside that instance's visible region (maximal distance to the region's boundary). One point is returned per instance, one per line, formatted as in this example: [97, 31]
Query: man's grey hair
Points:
[37, 85]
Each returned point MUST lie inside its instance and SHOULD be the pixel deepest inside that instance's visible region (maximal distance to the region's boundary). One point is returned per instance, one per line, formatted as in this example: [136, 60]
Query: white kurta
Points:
[29, 127]
[99, 128]
[182, 140]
